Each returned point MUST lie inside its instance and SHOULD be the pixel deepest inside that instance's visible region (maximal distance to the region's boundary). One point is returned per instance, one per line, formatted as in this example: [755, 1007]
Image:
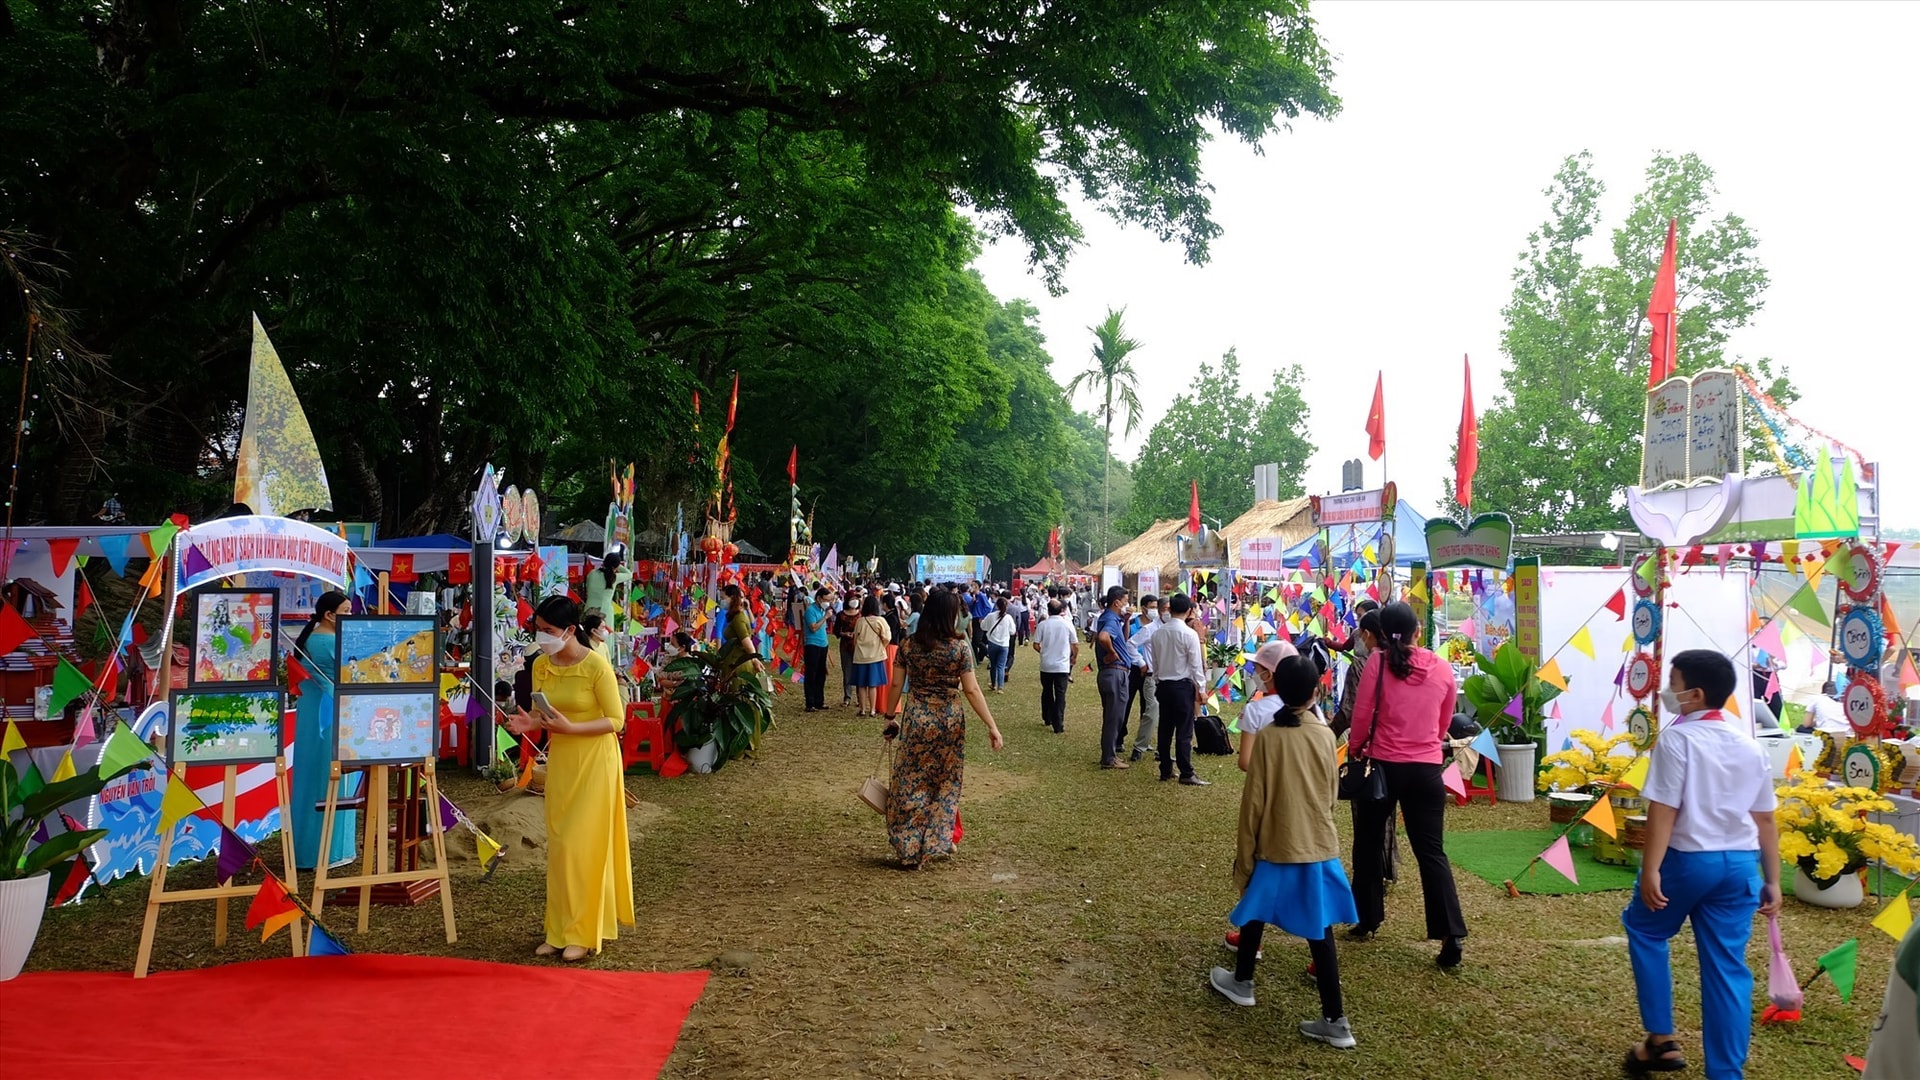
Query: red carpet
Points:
[343, 1017]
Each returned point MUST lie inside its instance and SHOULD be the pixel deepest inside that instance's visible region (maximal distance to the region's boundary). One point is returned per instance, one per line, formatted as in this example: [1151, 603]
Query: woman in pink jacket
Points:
[1400, 720]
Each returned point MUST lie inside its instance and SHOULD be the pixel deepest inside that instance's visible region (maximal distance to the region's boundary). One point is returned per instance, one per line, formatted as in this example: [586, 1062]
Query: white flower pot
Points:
[1514, 780]
[701, 758]
[22, 902]
[1847, 892]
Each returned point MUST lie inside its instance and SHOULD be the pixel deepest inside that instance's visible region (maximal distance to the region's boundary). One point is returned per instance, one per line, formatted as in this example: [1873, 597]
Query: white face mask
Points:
[549, 643]
[1672, 701]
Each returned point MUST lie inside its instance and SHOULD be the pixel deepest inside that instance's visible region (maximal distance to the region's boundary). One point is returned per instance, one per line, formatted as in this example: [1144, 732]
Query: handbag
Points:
[1361, 780]
[875, 791]
[1782, 988]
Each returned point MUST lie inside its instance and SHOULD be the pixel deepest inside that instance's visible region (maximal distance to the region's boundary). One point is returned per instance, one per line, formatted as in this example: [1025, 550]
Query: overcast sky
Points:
[1385, 239]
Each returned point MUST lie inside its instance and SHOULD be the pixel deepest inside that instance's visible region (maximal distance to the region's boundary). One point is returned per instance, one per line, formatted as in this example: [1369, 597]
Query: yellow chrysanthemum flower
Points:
[1794, 845]
[1829, 860]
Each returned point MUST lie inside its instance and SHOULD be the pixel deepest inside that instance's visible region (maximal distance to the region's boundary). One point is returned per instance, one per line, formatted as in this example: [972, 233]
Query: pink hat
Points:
[1273, 652]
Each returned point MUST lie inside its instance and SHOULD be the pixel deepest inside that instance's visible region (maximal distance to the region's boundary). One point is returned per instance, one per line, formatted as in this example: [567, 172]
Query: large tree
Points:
[1110, 378]
[1215, 434]
[528, 234]
[1561, 442]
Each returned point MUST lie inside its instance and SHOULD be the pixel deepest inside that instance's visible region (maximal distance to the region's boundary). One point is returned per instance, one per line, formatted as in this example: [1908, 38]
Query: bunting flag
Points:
[234, 855]
[325, 944]
[272, 908]
[1582, 642]
[1815, 571]
[160, 540]
[83, 731]
[449, 815]
[1600, 816]
[77, 874]
[1550, 674]
[1516, 708]
[1663, 343]
[82, 599]
[1606, 716]
[179, 801]
[1486, 745]
[1618, 605]
[502, 741]
[1793, 762]
[1559, 856]
[62, 553]
[1807, 602]
[69, 683]
[1636, 775]
[488, 850]
[115, 549]
[1841, 965]
[1896, 917]
[123, 749]
[527, 756]
[12, 740]
[31, 782]
[65, 770]
[1649, 573]
[1450, 777]
[14, 630]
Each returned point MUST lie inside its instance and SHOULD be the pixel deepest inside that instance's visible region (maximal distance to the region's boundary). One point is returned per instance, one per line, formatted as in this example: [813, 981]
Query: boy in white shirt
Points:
[1713, 857]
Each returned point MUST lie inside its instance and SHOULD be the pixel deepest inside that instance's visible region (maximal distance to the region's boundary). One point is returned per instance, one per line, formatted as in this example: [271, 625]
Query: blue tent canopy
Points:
[1409, 541]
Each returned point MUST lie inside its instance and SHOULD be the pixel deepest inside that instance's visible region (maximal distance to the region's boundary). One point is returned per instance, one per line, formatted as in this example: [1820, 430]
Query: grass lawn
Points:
[1070, 936]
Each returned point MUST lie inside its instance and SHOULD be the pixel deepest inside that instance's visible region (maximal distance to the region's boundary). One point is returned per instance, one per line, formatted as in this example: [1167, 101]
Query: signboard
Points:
[1209, 548]
[1150, 581]
[949, 568]
[1526, 611]
[1663, 453]
[224, 727]
[1109, 578]
[1693, 430]
[1486, 542]
[1354, 507]
[225, 547]
[1263, 555]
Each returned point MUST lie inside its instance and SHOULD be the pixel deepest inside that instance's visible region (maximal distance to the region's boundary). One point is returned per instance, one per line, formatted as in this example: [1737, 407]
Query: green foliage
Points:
[528, 236]
[1217, 434]
[1111, 378]
[1561, 442]
[710, 705]
[1501, 676]
[24, 814]
[1090, 479]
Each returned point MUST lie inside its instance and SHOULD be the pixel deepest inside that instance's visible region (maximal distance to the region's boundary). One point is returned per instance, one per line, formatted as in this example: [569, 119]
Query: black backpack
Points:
[1210, 735]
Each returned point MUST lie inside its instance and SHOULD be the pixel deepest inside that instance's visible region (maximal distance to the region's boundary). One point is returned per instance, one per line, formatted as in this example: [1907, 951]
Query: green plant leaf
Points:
[58, 849]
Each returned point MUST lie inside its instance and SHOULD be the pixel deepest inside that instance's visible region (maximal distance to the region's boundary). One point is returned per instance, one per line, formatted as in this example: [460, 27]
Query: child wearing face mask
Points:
[1712, 857]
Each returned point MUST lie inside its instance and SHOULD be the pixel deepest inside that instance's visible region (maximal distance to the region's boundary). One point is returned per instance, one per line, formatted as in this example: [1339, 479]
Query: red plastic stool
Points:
[453, 737]
[644, 727]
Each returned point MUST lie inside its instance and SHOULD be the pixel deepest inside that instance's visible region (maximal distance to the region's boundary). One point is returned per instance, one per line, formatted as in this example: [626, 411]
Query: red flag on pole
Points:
[733, 403]
[1193, 512]
[1053, 543]
[793, 465]
[1377, 419]
[1466, 456]
[1662, 343]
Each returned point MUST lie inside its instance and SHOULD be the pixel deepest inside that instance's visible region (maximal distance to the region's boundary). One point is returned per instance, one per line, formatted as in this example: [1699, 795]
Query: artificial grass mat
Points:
[1497, 855]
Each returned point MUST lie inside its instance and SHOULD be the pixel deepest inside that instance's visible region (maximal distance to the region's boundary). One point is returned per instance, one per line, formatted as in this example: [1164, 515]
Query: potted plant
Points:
[23, 868]
[1503, 677]
[1826, 834]
[716, 713]
[1221, 655]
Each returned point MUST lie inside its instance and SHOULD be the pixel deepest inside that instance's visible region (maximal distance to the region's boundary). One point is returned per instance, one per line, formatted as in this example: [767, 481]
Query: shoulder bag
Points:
[873, 790]
[1361, 779]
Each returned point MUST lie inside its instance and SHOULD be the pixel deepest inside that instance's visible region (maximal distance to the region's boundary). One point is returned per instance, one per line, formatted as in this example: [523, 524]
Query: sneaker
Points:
[1335, 1033]
[1233, 945]
[1240, 993]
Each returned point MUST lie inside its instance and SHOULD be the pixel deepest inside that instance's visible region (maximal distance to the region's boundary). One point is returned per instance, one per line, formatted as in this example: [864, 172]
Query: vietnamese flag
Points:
[793, 466]
[1662, 343]
[1466, 456]
[1377, 419]
[1193, 512]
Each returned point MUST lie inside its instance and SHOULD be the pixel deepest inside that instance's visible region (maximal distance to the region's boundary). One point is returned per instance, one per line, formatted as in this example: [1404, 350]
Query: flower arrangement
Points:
[1591, 764]
[1826, 832]
[1457, 650]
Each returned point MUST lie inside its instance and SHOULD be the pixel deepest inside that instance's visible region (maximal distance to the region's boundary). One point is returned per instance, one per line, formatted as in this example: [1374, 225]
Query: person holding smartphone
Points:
[589, 858]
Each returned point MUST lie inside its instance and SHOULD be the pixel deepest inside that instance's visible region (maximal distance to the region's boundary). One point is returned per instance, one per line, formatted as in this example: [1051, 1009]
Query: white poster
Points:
[1150, 582]
[1109, 577]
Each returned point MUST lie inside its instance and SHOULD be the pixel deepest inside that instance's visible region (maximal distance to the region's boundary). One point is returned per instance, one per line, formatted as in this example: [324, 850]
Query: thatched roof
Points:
[1158, 548]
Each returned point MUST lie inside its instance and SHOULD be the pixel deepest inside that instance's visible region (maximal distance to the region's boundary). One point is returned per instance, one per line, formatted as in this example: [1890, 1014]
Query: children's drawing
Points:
[385, 727]
[233, 636]
[387, 651]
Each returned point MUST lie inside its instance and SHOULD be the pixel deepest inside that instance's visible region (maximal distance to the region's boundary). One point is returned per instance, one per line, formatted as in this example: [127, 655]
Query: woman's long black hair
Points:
[611, 566]
[938, 620]
[1399, 628]
[562, 612]
[329, 601]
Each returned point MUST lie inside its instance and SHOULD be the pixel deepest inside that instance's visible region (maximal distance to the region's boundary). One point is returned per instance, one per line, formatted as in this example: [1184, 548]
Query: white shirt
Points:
[1258, 714]
[1176, 653]
[1054, 635]
[1827, 715]
[1715, 776]
[1142, 640]
[999, 628]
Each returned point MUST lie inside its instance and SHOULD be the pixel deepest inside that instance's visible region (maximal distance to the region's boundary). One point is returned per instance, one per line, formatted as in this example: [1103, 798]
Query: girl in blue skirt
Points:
[1288, 864]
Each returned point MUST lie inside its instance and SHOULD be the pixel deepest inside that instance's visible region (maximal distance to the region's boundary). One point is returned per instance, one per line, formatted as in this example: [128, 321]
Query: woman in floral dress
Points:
[937, 664]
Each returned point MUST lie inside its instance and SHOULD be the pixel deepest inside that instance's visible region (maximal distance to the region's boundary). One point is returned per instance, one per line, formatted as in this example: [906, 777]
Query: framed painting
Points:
[235, 637]
[385, 727]
[225, 726]
[388, 650]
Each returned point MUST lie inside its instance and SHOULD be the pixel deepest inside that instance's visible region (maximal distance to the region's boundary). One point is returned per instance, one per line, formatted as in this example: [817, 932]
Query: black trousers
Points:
[846, 672]
[1326, 966]
[1053, 699]
[815, 677]
[1176, 726]
[1417, 789]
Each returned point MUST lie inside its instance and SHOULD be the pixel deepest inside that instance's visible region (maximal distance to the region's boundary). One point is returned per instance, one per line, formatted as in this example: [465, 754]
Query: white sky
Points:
[1385, 239]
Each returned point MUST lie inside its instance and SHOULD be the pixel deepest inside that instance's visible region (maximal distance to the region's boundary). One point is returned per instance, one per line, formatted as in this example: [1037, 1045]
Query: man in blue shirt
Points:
[979, 605]
[1117, 664]
[814, 625]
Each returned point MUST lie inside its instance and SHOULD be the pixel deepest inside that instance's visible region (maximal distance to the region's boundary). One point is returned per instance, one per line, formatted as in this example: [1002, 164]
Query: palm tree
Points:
[1111, 375]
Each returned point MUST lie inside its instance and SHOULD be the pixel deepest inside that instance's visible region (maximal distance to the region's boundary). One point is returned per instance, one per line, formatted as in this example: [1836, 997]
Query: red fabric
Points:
[271, 900]
[1193, 511]
[1377, 419]
[82, 599]
[14, 631]
[402, 572]
[62, 552]
[1618, 605]
[1466, 458]
[616, 1023]
[733, 403]
[460, 569]
[1660, 312]
[793, 465]
[77, 875]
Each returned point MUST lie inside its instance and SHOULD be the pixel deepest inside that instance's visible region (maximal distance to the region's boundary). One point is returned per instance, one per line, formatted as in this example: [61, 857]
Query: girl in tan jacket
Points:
[1288, 864]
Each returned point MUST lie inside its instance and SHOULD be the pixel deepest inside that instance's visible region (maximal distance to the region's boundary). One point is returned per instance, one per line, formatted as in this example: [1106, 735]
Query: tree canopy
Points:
[1561, 442]
[530, 234]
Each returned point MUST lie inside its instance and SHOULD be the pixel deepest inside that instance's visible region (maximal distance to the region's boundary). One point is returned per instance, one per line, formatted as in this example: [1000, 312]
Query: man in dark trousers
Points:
[1180, 680]
[813, 620]
[1117, 661]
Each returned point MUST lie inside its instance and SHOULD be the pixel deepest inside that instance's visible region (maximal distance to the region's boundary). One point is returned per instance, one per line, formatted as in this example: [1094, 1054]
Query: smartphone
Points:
[542, 705]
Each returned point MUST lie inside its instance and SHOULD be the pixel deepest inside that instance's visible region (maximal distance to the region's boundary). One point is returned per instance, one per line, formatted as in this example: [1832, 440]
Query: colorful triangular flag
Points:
[1451, 779]
[1841, 964]
[65, 770]
[123, 749]
[1618, 605]
[1895, 918]
[1559, 856]
[271, 908]
[1600, 816]
[1487, 746]
[1636, 775]
[177, 802]
[1550, 674]
[13, 740]
[234, 855]
[1582, 641]
[325, 944]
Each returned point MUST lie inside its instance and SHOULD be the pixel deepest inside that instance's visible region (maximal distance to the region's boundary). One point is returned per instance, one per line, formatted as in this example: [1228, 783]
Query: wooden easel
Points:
[157, 893]
[373, 845]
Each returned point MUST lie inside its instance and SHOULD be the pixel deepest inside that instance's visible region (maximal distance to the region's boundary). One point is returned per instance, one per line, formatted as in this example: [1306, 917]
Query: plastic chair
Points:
[644, 727]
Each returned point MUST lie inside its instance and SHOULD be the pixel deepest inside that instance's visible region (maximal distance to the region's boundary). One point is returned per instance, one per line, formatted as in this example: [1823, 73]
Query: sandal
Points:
[1657, 1058]
[544, 949]
[576, 953]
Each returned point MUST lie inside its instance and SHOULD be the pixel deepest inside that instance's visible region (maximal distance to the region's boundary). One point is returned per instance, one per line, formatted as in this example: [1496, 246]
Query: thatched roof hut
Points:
[1155, 549]
[1289, 521]
[1158, 548]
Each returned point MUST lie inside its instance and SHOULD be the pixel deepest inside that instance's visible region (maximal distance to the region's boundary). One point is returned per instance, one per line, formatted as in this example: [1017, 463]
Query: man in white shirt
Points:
[1180, 682]
[1825, 714]
[1149, 702]
[1059, 649]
